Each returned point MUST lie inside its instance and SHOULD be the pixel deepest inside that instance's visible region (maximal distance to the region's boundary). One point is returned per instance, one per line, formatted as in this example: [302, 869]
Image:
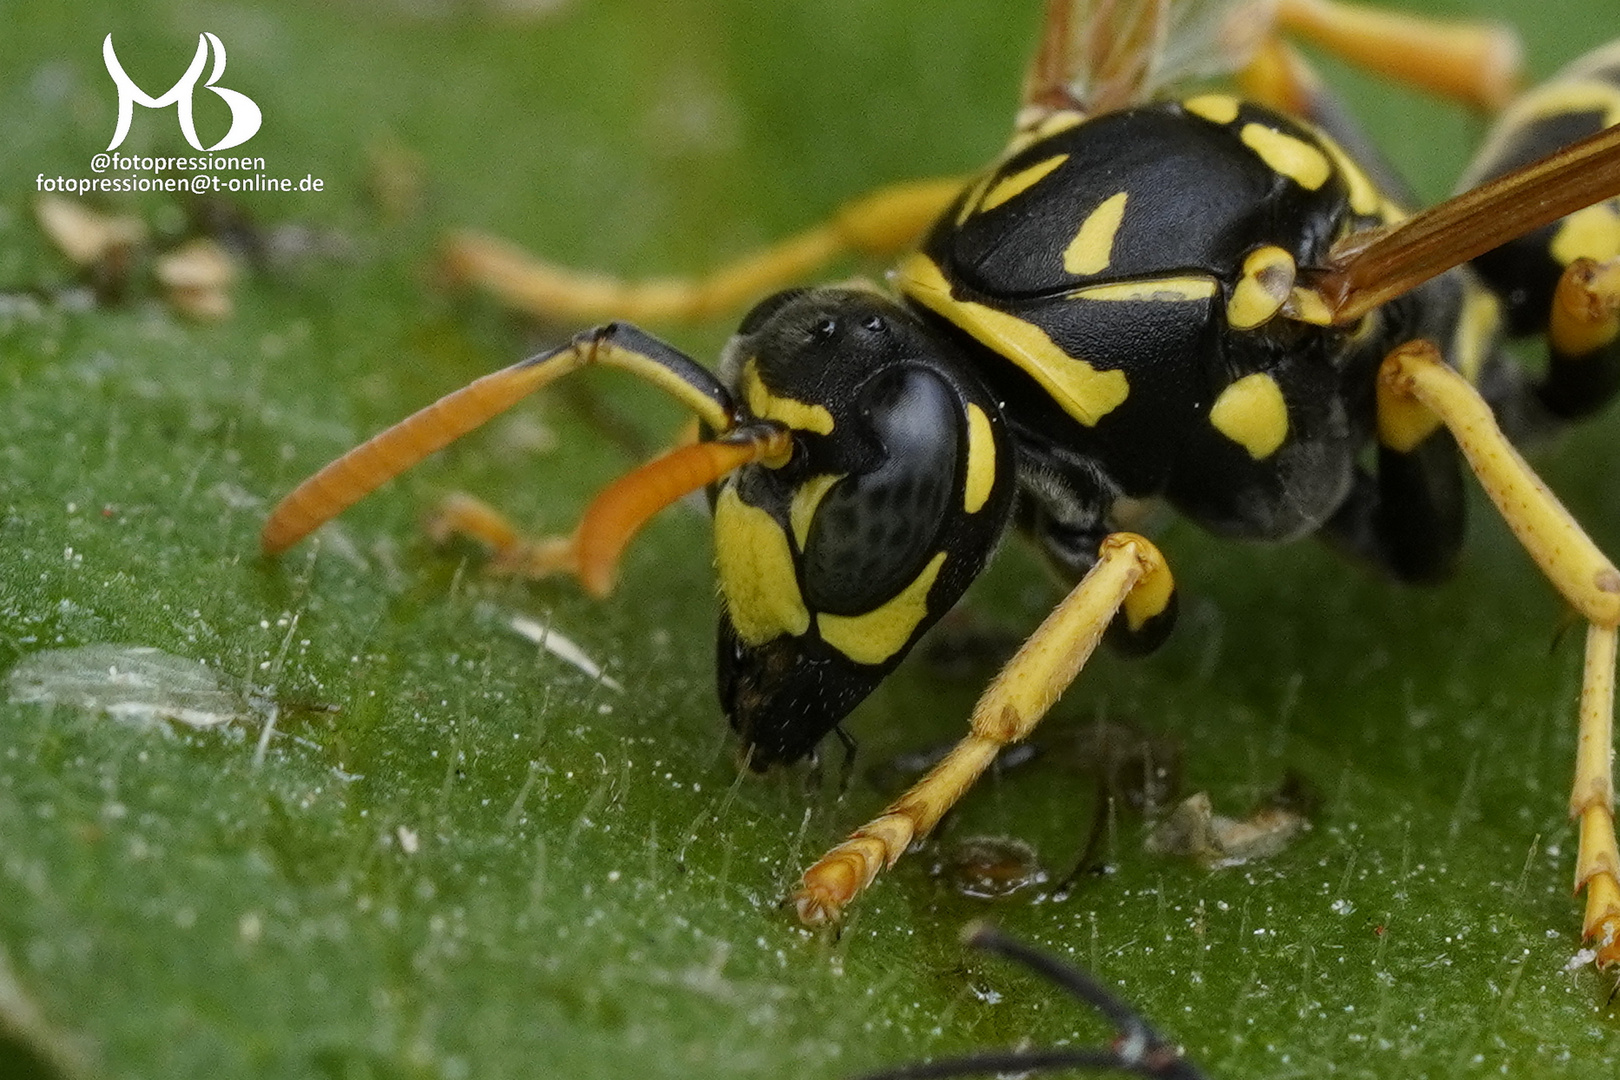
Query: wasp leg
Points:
[1583, 337]
[1417, 392]
[1130, 578]
[511, 552]
[591, 554]
[1409, 518]
[385, 455]
[877, 225]
[1473, 62]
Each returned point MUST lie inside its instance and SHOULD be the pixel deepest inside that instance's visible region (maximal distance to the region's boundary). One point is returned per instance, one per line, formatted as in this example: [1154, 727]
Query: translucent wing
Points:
[1102, 55]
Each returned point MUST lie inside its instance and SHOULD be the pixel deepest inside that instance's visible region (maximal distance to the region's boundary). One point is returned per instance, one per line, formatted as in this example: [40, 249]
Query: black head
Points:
[899, 486]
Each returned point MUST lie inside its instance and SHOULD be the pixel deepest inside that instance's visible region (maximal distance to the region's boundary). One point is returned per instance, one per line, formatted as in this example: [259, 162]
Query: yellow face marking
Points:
[1157, 290]
[1019, 182]
[1296, 159]
[1080, 389]
[768, 406]
[1364, 196]
[877, 635]
[1476, 329]
[981, 460]
[756, 571]
[1266, 284]
[1216, 108]
[1593, 233]
[805, 500]
[1093, 246]
[1252, 413]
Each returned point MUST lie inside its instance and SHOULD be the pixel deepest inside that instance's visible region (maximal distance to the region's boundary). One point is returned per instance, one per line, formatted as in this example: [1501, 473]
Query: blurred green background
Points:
[461, 857]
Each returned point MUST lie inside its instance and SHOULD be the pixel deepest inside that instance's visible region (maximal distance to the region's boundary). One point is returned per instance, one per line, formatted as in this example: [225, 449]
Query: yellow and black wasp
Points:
[1218, 300]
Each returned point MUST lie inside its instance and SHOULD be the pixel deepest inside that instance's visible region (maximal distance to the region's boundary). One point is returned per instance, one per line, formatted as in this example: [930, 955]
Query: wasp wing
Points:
[1372, 267]
[1102, 55]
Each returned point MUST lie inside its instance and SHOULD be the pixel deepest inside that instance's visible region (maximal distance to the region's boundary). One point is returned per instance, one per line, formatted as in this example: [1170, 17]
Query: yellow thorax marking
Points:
[1363, 194]
[1092, 248]
[1082, 391]
[1019, 182]
[1216, 108]
[1307, 306]
[1252, 413]
[981, 460]
[756, 571]
[1296, 159]
[1049, 124]
[1266, 284]
[878, 634]
[768, 406]
[1592, 233]
[1168, 290]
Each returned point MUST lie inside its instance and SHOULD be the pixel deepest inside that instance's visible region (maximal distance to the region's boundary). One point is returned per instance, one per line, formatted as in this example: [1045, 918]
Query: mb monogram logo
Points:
[245, 115]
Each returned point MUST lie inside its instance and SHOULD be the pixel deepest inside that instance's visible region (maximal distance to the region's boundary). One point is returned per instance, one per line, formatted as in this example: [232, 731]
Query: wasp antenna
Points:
[623, 507]
[1371, 268]
[385, 455]
[373, 463]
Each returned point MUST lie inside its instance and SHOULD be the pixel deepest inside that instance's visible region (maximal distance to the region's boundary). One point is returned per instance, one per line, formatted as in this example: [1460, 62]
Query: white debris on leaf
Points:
[554, 643]
[1581, 960]
[132, 683]
[87, 236]
[1193, 830]
[198, 276]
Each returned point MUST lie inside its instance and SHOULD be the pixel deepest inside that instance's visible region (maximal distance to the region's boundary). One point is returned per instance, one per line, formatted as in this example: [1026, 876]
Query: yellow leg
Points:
[1586, 308]
[1008, 711]
[1476, 63]
[1413, 376]
[460, 514]
[1591, 802]
[1279, 77]
[878, 224]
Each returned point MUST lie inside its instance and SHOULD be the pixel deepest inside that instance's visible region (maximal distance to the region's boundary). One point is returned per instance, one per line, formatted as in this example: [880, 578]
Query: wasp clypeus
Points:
[1220, 300]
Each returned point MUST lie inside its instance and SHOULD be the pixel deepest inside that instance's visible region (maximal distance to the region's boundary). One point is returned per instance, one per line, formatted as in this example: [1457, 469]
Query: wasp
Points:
[1223, 301]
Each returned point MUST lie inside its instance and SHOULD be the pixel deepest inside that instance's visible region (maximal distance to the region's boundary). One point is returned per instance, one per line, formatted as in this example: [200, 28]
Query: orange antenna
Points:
[623, 507]
[385, 455]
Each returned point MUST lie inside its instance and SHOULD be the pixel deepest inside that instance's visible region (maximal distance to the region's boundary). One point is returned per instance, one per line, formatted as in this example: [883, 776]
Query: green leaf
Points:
[458, 855]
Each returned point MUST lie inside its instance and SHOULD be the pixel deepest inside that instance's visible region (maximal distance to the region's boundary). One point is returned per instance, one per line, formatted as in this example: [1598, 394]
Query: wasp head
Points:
[897, 489]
